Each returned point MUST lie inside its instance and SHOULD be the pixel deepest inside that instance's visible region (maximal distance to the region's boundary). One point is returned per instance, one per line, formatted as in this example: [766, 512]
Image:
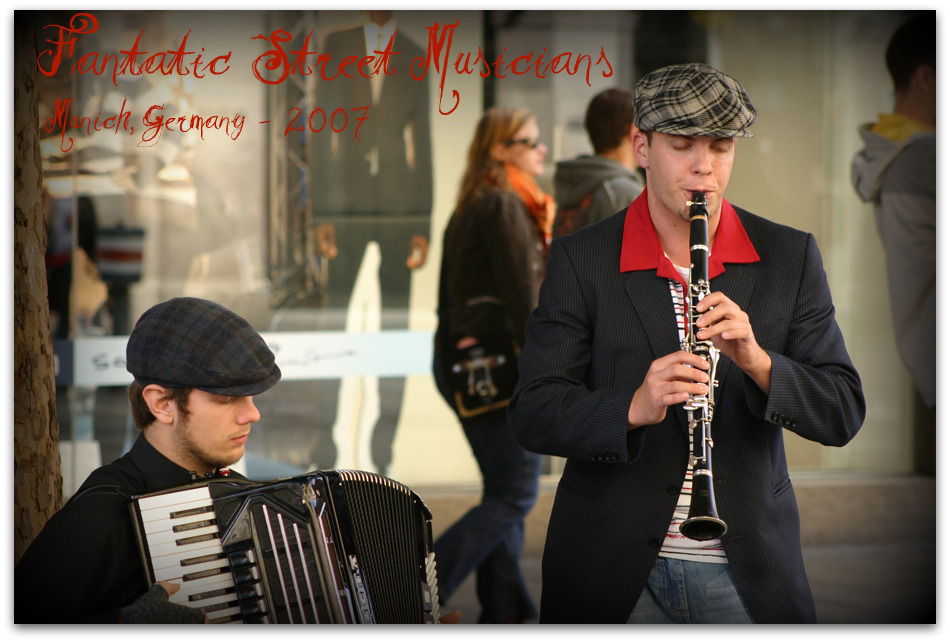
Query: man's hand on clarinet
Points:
[724, 323]
[669, 381]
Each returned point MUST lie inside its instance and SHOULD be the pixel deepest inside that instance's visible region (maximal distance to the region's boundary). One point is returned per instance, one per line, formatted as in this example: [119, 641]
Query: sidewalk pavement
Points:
[888, 583]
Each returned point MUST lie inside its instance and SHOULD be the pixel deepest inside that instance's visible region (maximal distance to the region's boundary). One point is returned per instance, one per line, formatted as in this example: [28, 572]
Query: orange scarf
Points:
[540, 205]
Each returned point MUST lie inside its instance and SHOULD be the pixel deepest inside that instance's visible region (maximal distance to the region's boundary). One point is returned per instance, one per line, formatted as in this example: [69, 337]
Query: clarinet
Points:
[703, 522]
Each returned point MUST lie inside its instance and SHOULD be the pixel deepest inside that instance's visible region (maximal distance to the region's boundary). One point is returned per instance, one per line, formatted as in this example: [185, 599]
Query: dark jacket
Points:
[492, 267]
[85, 563]
[491, 272]
[588, 347]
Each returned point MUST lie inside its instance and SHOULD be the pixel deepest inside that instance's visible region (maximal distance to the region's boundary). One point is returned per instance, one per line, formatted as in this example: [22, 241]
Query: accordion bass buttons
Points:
[243, 577]
[248, 587]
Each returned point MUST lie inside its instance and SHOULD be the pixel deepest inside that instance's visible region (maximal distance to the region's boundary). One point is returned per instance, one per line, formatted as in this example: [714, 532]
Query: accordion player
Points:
[335, 547]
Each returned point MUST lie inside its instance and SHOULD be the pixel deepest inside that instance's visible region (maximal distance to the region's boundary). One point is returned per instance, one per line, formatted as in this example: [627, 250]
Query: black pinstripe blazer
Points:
[588, 347]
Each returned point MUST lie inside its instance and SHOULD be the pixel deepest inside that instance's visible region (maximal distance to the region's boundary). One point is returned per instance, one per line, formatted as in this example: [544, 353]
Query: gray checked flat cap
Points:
[194, 343]
[693, 100]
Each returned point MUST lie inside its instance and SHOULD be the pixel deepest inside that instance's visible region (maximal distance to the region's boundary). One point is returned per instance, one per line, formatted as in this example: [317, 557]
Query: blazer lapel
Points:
[651, 299]
[650, 296]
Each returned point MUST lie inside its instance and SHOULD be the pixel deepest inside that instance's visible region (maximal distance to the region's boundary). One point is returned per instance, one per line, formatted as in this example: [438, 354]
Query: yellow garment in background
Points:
[898, 127]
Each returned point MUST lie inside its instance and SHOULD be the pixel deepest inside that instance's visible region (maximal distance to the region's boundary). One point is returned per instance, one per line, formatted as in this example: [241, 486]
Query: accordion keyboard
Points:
[185, 546]
[326, 547]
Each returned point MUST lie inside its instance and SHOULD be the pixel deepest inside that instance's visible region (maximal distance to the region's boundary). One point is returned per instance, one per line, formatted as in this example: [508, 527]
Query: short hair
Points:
[142, 417]
[608, 118]
[913, 44]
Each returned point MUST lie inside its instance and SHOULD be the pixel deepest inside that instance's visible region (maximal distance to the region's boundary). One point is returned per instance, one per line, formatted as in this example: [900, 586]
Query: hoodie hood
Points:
[576, 177]
[869, 164]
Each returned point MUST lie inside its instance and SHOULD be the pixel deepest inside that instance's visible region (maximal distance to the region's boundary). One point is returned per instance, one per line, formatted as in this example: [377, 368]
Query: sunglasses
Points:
[531, 143]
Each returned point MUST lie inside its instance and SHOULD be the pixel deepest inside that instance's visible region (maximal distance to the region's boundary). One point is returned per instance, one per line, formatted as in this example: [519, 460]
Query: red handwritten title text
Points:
[274, 67]
[131, 61]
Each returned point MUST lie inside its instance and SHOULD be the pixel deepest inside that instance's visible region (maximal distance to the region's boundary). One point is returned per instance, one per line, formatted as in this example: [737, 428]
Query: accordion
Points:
[337, 547]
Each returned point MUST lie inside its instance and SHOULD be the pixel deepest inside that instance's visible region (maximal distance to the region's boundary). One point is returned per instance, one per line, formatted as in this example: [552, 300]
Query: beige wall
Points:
[815, 77]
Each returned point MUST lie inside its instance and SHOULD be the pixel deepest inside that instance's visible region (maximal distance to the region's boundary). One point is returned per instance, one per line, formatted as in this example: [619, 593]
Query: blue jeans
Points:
[489, 538]
[680, 592]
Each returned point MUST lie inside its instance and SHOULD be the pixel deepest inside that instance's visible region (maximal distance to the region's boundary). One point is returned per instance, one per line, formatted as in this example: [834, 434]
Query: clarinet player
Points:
[604, 378]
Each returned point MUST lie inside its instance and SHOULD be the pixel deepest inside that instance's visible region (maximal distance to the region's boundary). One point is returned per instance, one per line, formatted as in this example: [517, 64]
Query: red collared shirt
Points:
[641, 249]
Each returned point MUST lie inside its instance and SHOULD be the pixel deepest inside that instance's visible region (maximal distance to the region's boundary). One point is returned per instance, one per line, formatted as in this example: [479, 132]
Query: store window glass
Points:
[314, 204]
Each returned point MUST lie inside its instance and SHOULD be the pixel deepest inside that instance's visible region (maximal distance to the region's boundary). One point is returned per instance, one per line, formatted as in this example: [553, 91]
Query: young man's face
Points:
[679, 165]
[213, 433]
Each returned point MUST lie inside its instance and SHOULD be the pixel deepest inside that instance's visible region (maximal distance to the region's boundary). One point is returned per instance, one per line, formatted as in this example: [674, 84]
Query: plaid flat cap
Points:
[693, 100]
[193, 343]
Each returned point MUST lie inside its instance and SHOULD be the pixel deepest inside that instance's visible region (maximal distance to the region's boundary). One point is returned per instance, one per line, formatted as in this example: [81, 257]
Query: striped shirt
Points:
[676, 545]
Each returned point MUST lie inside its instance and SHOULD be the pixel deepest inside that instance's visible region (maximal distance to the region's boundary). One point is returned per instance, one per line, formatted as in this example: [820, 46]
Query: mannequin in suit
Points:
[374, 190]
[603, 380]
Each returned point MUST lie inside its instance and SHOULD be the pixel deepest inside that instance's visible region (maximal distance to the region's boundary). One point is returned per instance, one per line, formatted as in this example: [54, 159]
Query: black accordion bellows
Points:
[326, 547]
[387, 530]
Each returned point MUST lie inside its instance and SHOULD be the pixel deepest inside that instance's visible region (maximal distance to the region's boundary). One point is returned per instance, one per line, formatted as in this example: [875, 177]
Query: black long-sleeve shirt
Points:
[85, 564]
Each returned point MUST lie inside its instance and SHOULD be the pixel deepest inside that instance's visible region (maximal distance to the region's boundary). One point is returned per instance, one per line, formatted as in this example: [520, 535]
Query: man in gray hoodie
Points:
[588, 188]
[896, 171]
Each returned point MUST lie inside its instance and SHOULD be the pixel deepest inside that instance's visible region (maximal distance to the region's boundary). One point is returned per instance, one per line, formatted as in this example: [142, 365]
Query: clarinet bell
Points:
[703, 522]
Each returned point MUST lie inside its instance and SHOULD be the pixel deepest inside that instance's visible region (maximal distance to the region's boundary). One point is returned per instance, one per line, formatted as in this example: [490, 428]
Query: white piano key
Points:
[168, 562]
[175, 572]
[174, 562]
[163, 537]
[223, 616]
[178, 511]
[175, 498]
[188, 590]
[164, 521]
[217, 603]
[166, 545]
[166, 512]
